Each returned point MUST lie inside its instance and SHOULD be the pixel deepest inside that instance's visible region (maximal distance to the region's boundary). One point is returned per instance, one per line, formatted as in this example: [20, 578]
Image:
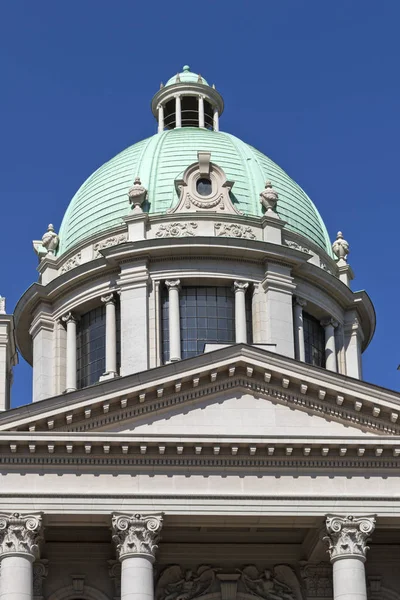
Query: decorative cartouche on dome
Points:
[341, 247]
[137, 195]
[269, 198]
[186, 100]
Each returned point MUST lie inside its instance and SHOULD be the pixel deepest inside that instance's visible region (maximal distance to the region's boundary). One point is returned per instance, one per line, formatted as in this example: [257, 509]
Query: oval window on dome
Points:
[204, 186]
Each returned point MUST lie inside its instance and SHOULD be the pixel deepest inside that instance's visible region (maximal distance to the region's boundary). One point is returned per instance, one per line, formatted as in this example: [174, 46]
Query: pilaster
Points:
[353, 337]
[8, 357]
[279, 287]
[43, 343]
[134, 303]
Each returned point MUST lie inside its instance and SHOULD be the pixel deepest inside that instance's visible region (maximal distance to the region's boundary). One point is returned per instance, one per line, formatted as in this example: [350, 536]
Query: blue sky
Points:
[313, 84]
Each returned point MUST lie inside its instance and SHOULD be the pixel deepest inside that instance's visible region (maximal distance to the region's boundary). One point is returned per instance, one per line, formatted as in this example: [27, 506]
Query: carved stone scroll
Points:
[136, 534]
[20, 534]
[348, 535]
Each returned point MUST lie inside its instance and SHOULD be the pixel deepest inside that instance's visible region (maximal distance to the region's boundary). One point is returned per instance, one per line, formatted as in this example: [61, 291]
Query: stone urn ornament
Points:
[340, 247]
[269, 198]
[50, 240]
[137, 195]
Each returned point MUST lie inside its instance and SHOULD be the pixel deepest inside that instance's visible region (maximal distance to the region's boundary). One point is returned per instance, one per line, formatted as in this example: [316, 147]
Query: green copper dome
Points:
[102, 200]
[186, 77]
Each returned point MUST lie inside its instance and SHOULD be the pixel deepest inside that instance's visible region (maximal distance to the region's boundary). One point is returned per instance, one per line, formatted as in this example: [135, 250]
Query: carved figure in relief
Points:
[282, 584]
[176, 584]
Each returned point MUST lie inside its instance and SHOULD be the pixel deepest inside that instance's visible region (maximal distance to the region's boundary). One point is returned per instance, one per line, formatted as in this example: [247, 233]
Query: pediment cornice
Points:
[270, 376]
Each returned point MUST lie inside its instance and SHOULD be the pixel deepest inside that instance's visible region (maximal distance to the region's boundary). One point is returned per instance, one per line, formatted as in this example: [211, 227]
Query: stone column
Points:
[299, 348]
[111, 338]
[201, 112]
[136, 538]
[353, 338]
[347, 537]
[329, 326]
[70, 320]
[20, 536]
[279, 287]
[178, 111]
[160, 118]
[216, 119]
[174, 320]
[240, 288]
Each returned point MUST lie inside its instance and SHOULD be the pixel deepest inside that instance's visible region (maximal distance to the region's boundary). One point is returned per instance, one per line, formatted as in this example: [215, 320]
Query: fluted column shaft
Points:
[347, 537]
[160, 118]
[178, 111]
[19, 541]
[216, 120]
[174, 320]
[70, 321]
[136, 538]
[329, 326]
[201, 111]
[299, 348]
[111, 336]
[240, 288]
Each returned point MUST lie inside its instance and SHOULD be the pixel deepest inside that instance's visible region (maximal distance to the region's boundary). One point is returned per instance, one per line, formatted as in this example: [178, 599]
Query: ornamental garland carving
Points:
[20, 533]
[279, 583]
[176, 230]
[136, 534]
[296, 246]
[115, 240]
[318, 580]
[71, 263]
[348, 535]
[40, 571]
[233, 230]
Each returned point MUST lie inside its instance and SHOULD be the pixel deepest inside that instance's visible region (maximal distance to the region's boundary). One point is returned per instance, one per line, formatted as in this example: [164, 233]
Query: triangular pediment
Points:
[238, 390]
[236, 412]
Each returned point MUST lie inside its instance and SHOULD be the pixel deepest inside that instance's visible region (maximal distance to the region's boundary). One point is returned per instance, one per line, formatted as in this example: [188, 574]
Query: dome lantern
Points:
[186, 100]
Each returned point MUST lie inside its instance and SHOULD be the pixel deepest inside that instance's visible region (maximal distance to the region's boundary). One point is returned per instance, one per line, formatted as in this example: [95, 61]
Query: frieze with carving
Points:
[176, 230]
[71, 263]
[318, 580]
[279, 583]
[115, 240]
[234, 230]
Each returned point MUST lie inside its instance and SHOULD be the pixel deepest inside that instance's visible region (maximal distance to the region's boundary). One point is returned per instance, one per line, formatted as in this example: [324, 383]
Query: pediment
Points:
[238, 390]
[236, 412]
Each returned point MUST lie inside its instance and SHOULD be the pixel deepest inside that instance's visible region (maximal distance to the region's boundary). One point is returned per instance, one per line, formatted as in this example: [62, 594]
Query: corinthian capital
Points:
[20, 534]
[136, 534]
[348, 536]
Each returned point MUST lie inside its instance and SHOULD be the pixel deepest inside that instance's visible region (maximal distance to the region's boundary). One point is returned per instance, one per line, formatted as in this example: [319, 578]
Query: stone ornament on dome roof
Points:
[341, 247]
[269, 198]
[50, 240]
[137, 195]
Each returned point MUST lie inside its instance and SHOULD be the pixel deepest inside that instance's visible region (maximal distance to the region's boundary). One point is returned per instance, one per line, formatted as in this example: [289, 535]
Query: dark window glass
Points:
[91, 339]
[204, 186]
[314, 341]
[207, 315]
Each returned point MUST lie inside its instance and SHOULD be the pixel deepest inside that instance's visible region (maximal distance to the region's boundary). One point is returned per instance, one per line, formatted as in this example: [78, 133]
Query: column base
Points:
[110, 375]
[68, 390]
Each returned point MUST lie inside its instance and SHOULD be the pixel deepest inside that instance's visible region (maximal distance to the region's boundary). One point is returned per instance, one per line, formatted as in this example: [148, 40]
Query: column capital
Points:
[20, 534]
[69, 317]
[240, 286]
[348, 536]
[172, 283]
[300, 301]
[108, 299]
[160, 105]
[136, 535]
[329, 321]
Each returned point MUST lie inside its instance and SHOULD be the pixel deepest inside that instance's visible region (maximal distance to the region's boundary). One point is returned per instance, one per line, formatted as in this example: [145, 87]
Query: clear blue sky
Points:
[314, 84]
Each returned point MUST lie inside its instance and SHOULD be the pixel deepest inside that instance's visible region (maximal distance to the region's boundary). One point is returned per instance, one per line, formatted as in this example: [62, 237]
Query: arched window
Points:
[91, 346]
[207, 315]
[314, 341]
